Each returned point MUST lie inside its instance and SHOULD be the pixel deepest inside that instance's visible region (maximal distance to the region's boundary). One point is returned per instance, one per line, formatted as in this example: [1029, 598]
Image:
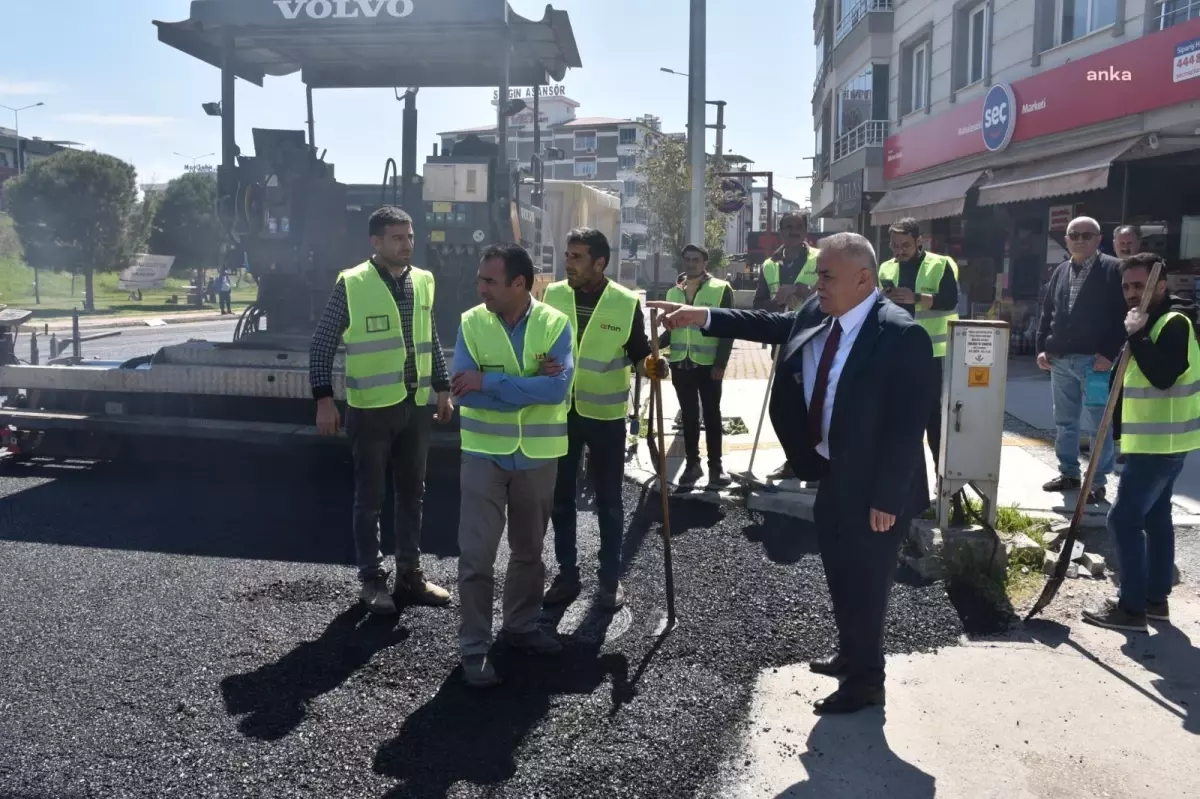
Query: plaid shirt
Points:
[1079, 275]
[336, 318]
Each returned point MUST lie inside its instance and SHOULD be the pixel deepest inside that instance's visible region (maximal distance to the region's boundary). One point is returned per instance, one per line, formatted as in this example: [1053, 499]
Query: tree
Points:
[665, 195]
[73, 212]
[186, 224]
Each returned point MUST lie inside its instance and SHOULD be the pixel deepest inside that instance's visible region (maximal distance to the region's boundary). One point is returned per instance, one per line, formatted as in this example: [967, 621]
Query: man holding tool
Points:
[514, 430]
[698, 367]
[610, 335]
[926, 286]
[383, 311]
[841, 422]
[1160, 425]
[786, 280]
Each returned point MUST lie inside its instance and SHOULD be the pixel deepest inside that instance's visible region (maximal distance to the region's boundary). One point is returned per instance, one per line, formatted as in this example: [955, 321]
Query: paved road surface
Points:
[135, 341]
[189, 628]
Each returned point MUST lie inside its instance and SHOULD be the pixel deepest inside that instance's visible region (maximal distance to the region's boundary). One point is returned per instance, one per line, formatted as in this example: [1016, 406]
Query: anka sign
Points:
[344, 9]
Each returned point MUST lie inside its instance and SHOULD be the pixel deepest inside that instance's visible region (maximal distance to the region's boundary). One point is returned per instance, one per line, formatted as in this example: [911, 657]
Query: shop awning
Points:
[933, 200]
[1083, 170]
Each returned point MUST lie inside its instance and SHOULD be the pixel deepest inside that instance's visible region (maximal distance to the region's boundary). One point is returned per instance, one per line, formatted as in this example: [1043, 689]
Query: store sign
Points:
[847, 195]
[999, 117]
[1061, 99]
[734, 197]
[344, 9]
[1187, 61]
[527, 94]
[1060, 217]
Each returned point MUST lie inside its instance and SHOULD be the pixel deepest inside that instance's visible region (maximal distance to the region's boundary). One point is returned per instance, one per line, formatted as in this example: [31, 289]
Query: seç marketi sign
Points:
[1158, 70]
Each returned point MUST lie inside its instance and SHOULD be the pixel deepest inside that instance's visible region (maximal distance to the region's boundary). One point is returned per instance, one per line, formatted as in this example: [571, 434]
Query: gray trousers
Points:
[398, 436]
[487, 493]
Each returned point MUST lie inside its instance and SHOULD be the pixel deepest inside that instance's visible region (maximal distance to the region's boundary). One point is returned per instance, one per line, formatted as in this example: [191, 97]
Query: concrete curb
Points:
[797, 504]
[60, 325]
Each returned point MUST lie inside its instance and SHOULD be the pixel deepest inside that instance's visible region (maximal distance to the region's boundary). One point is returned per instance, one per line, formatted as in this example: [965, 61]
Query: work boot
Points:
[784, 472]
[612, 598]
[1111, 615]
[537, 642]
[718, 478]
[691, 475]
[1158, 611]
[563, 589]
[1097, 495]
[413, 587]
[1062, 483]
[375, 596]
[478, 672]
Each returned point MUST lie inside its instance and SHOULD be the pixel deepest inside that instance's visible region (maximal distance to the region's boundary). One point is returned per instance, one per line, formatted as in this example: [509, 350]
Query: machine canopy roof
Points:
[338, 44]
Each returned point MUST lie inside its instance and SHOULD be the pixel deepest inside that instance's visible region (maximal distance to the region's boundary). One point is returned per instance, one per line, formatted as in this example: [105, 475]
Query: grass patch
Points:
[60, 296]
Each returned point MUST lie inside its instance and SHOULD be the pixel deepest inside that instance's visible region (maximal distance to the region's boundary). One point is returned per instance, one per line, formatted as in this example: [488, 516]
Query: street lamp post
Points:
[16, 112]
[697, 88]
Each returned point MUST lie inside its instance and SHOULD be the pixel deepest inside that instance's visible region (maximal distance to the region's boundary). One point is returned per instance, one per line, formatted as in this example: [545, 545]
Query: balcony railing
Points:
[871, 133]
[825, 67]
[1175, 12]
[858, 12]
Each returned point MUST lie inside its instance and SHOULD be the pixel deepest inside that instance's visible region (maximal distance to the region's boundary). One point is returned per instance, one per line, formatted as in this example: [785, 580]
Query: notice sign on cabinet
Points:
[981, 347]
[979, 376]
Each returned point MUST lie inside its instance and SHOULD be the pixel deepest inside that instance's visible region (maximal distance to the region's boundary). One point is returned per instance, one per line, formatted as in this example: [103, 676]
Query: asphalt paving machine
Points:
[294, 226]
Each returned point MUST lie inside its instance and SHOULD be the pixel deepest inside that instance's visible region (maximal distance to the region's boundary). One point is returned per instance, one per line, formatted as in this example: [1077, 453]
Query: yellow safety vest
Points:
[806, 277]
[600, 387]
[1155, 422]
[689, 342]
[375, 351]
[929, 280]
[539, 431]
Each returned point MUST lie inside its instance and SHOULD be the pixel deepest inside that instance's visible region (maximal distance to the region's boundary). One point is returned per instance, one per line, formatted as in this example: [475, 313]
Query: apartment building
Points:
[1005, 118]
[601, 151]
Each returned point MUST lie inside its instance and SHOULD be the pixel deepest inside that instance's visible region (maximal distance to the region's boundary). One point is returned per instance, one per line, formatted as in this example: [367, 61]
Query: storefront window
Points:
[1078, 18]
[1174, 12]
[854, 102]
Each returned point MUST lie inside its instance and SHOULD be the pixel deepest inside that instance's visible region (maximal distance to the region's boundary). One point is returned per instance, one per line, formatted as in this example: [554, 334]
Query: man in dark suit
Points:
[849, 404]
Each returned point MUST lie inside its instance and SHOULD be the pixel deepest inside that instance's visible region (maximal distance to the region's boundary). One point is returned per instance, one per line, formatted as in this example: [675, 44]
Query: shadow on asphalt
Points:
[274, 698]
[848, 757]
[783, 539]
[470, 735]
[244, 502]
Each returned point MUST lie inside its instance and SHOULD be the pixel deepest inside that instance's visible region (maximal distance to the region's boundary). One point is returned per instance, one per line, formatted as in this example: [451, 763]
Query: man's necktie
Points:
[816, 408]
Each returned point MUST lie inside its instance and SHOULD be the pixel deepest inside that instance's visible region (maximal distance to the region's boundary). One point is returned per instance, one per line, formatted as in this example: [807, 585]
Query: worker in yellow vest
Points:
[787, 279]
[925, 285]
[698, 367]
[610, 337]
[514, 430]
[383, 311]
[1160, 424]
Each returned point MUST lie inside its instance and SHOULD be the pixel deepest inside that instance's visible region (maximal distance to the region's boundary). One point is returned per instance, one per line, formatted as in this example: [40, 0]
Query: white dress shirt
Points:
[851, 322]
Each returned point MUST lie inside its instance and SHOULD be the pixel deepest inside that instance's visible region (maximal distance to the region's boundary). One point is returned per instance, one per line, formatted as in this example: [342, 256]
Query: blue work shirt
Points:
[503, 392]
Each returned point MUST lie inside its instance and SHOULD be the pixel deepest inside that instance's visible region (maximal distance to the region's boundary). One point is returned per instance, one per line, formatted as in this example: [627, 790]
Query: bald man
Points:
[1081, 331]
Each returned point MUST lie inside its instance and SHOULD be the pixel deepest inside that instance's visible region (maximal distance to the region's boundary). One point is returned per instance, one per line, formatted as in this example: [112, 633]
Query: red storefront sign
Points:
[1140, 75]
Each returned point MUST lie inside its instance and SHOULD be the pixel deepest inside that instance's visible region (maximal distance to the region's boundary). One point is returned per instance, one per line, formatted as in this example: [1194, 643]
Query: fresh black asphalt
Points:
[188, 627]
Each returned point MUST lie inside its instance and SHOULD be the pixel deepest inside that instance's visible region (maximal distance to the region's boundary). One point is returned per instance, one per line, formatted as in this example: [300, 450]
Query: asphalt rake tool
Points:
[659, 453]
[1064, 556]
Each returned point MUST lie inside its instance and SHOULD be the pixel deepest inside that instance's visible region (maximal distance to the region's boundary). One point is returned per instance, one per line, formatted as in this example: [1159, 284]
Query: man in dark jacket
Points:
[1081, 331]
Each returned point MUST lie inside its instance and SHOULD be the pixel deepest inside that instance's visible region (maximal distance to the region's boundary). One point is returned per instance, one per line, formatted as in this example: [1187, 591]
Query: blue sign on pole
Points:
[999, 117]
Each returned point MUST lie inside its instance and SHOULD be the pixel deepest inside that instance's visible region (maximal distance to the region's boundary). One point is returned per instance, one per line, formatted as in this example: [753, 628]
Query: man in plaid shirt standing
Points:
[383, 311]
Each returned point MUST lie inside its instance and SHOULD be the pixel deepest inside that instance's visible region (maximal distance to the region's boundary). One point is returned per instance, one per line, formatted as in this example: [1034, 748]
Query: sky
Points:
[109, 84]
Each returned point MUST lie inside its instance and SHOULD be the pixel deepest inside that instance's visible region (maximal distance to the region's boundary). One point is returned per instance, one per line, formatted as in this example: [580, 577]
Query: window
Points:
[914, 78]
[627, 136]
[626, 162]
[854, 102]
[585, 141]
[1075, 19]
[585, 167]
[630, 189]
[820, 48]
[627, 215]
[976, 32]
[1174, 12]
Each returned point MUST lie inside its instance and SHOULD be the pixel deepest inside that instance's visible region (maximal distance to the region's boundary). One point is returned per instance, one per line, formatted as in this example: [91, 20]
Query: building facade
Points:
[997, 121]
[602, 151]
[31, 149]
